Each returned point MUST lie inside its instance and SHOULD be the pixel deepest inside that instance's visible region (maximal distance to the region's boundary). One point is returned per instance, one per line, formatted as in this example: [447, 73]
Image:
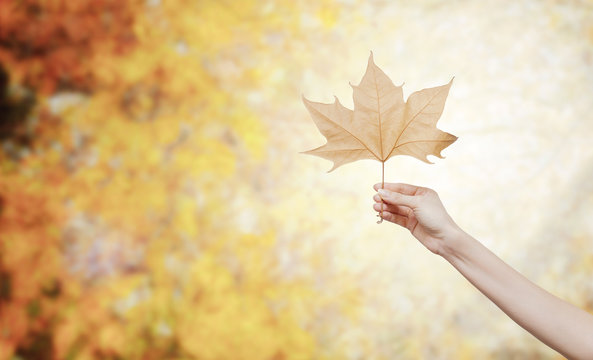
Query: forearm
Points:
[560, 325]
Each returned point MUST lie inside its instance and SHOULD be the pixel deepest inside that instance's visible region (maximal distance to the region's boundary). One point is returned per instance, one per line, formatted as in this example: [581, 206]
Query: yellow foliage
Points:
[133, 185]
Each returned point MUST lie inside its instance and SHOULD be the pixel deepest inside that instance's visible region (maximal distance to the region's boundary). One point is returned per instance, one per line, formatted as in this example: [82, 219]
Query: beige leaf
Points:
[382, 125]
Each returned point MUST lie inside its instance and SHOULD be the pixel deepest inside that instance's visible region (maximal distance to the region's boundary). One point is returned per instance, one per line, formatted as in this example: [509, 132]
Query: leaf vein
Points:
[411, 120]
[346, 130]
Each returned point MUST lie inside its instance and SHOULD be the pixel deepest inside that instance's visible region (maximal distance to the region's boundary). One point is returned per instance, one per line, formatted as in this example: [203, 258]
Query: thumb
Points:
[395, 198]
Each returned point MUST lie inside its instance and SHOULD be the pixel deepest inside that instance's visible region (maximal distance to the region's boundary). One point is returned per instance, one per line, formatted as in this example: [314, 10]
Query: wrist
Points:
[456, 245]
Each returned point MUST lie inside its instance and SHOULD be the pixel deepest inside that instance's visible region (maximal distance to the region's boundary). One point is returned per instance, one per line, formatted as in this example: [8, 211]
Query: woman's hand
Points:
[419, 210]
[560, 325]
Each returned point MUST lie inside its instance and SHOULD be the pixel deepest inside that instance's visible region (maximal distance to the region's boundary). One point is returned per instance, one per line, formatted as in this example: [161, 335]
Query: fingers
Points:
[395, 209]
[397, 214]
[405, 189]
[396, 198]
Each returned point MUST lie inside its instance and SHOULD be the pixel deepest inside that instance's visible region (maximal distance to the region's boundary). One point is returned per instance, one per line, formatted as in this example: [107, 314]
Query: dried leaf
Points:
[382, 125]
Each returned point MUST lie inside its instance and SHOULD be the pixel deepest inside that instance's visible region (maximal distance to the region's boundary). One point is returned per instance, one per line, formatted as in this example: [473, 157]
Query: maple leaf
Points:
[382, 125]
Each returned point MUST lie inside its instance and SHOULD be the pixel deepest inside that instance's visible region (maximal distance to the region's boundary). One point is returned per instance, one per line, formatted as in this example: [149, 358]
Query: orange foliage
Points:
[33, 282]
[112, 244]
[45, 43]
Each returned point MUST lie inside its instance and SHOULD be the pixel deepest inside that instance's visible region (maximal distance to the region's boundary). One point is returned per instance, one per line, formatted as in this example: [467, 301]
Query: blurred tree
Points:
[112, 244]
[43, 42]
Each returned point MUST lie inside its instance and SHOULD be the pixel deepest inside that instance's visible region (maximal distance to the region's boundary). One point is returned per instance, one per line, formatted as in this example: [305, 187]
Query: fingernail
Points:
[383, 192]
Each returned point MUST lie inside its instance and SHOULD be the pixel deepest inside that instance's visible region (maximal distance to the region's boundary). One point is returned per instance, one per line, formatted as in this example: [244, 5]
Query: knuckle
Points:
[429, 191]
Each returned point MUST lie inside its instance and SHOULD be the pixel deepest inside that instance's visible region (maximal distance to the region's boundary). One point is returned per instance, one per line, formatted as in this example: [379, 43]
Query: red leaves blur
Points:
[45, 43]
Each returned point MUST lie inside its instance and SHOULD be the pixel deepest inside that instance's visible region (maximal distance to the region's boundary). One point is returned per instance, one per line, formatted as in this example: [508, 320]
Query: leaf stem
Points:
[382, 187]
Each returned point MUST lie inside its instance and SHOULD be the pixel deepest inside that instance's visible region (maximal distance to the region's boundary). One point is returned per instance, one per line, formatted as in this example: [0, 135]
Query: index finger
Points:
[406, 189]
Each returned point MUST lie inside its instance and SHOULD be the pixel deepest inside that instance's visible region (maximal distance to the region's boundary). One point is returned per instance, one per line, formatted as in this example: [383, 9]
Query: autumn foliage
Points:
[46, 43]
[120, 143]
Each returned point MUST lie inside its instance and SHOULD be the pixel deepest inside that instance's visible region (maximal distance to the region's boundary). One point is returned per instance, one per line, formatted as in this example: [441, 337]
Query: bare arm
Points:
[560, 325]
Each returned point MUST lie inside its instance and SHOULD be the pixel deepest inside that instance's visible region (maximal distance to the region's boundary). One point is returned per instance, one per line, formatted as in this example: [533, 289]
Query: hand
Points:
[560, 325]
[419, 210]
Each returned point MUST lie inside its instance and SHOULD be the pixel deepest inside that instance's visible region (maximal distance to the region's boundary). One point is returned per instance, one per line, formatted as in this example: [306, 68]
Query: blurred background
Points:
[154, 204]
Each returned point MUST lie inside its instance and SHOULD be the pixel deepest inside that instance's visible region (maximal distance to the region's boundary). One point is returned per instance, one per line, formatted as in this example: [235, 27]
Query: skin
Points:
[558, 324]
